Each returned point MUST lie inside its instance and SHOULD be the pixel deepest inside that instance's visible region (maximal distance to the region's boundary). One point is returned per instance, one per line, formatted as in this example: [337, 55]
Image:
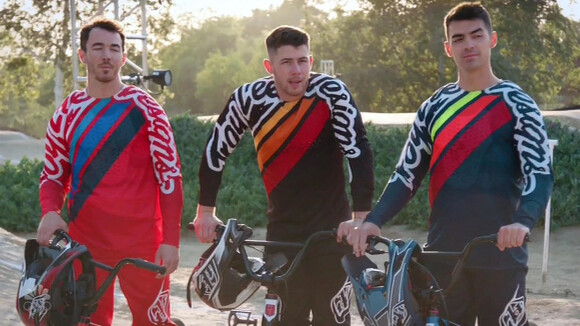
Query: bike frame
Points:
[272, 310]
[436, 296]
[90, 306]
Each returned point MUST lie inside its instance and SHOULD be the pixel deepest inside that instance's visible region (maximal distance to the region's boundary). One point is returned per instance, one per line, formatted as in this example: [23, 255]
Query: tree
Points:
[23, 95]
[45, 30]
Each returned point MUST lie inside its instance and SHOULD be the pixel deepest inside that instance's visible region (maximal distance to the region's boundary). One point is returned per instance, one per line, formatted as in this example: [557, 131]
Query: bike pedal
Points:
[241, 317]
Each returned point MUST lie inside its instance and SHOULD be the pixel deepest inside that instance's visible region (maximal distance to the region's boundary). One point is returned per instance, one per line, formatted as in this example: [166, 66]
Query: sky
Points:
[209, 8]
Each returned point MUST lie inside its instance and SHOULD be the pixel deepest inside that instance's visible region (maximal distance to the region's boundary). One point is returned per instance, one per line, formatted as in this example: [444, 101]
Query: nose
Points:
[469, 44]
[106, 54]
[295, 68]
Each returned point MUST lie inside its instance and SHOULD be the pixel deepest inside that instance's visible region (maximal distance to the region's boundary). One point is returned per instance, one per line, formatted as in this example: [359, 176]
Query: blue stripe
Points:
[113, 147]
[95, 136]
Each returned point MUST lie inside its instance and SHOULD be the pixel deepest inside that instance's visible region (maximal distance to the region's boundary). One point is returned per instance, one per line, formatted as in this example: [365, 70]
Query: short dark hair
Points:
[106, 24]
[467, 11]
[286, 35]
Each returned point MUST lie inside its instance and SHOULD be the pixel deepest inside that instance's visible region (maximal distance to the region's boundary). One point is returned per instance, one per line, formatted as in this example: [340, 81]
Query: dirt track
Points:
[559, 305]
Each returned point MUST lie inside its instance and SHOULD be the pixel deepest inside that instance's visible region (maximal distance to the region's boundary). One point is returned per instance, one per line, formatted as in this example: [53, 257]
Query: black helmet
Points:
[220, 278]
[51, 292]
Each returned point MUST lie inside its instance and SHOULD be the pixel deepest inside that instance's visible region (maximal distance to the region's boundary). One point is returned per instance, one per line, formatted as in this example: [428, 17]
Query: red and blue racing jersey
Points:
[116, 159]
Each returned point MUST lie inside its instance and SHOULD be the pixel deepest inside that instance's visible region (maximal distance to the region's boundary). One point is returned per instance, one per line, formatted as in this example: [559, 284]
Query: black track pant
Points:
[493, 297]
[319, 287]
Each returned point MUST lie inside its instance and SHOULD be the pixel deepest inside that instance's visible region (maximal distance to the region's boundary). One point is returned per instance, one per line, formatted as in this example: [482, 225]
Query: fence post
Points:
[553, 143]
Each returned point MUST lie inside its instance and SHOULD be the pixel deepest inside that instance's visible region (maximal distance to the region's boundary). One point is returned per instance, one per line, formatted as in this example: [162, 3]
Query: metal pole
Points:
[144, 41]
[116, 6]
[553, 143]
[73, 36]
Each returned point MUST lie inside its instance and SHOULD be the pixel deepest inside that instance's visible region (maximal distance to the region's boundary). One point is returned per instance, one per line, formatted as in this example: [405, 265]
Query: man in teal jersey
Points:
[484, 143]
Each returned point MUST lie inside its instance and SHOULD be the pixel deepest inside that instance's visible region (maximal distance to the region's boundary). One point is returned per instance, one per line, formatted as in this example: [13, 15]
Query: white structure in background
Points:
[141, 77]
[327, 67]
[553, 143]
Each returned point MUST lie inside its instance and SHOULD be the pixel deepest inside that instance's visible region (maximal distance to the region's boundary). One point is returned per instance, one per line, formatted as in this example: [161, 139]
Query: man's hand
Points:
[358, 237]
[49, 223]
[345, 228]
[205, 223]
[168, 256]
[511, 236]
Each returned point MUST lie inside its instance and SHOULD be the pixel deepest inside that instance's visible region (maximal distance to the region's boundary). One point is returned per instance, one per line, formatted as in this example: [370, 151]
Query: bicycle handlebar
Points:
[265, 278]
[462, 255]
[268, 277]
[61, 235]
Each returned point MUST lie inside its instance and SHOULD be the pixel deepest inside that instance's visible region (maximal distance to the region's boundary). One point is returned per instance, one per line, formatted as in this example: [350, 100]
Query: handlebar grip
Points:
[59, 235]
[143, 264]
[191, 226]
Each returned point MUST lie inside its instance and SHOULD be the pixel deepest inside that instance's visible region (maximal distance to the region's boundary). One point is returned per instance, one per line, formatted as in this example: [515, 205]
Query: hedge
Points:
[242, 194]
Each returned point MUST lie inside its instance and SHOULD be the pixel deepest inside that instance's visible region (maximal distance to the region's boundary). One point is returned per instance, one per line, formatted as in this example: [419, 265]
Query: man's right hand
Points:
[205, 223]
[358, 237]
[49, 223]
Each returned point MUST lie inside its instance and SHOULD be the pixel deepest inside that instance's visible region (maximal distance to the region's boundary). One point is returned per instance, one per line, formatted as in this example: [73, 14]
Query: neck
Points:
[477, 80]
[99, 89]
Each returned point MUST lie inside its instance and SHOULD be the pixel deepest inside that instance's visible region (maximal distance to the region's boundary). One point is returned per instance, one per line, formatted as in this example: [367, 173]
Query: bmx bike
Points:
[265, 271]
[71, 299]
[405, 293]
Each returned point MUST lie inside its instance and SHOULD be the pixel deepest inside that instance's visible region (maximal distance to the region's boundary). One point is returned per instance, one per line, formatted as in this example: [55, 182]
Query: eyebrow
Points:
[291, 58]
[115, 45]
[475, 31]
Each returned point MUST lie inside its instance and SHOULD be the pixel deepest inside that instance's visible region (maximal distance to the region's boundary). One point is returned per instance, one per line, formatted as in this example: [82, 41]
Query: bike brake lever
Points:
[372, 241]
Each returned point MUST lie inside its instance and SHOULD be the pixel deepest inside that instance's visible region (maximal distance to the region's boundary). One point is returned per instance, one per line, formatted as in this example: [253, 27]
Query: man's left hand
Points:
[511, 236]
[168, 256]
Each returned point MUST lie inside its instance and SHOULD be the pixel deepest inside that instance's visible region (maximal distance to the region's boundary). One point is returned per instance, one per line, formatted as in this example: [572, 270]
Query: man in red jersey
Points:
[110, 147]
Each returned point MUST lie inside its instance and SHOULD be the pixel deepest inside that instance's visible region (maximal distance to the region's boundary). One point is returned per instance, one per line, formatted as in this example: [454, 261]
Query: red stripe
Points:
[465, 146]
[276, 171]
[465, 117]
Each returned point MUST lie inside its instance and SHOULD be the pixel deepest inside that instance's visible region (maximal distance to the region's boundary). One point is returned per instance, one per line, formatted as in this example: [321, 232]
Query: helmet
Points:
[400, 295]
[220, 278]
[51, 292]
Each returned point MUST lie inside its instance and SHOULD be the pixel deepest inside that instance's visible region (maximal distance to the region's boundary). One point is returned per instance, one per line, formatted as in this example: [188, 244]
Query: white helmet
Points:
[220, 278]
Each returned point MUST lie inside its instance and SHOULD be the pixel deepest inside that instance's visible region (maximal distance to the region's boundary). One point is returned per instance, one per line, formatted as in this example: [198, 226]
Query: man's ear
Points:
[82, 55]
[268, 66]
[448, 49]
[311, 59]
[493, 39]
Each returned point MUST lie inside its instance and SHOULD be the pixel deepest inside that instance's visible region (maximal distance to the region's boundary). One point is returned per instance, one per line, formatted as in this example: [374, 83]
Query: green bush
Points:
[19, 206]
[242, 194]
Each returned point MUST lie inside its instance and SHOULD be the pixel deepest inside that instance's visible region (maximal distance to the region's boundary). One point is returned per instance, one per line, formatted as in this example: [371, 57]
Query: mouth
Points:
[295, 83]
[470, 56]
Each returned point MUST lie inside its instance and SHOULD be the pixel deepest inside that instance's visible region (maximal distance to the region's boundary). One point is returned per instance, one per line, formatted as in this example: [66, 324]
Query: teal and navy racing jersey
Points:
[116, 159]
[488, 157]
[300, 148]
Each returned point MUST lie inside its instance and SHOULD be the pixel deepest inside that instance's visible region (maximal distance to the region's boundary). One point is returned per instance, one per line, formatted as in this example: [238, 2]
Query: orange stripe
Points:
[282, 132]
[457, 124]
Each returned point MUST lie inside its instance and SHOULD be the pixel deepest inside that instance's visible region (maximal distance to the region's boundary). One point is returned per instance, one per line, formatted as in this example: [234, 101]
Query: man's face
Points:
[290, 67]
[104, 56]
[469, 44]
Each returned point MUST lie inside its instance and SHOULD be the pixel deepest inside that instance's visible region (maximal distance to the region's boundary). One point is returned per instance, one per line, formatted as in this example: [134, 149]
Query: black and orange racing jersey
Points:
[487, 154]
[300, 148]
[117, 160]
